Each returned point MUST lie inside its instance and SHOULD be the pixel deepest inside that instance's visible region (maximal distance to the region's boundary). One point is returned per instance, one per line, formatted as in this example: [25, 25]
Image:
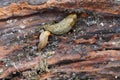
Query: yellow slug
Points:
[43, 40]
[63, 26]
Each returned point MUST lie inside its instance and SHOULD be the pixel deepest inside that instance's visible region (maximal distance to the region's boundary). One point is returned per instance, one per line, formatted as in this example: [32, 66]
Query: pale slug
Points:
[43, 40]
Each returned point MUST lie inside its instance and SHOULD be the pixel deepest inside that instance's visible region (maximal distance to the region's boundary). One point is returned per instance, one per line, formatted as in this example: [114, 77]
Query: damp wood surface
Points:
[10, 8]
[89, 51]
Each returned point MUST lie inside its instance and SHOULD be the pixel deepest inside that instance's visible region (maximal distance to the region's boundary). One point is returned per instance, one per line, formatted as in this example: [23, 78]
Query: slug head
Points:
[72, 18]
[47, 33]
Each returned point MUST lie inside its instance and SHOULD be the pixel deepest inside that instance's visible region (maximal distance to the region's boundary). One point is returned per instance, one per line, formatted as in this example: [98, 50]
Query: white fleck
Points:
[102, 24]
[116, 77]
[18, 37]
[38, 53]
[114, 23]
[112, 59]
[74, 30]
[1, 70]
[32, 31]
[43, 23]
[110, 25]
[100, 39]
[20, 31]
[48, 53]
[34, 47]
[113, 43]
[22, 26]
[24, 21]
[9, 21]
[6, 65]
[11, 33]
[14, 72]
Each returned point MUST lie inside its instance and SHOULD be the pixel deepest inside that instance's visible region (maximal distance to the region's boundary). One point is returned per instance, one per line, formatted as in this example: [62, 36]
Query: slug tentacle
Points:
[63, 26]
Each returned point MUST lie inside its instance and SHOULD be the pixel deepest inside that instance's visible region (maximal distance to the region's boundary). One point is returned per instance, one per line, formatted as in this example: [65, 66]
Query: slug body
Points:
[43, 40]
[63, 26]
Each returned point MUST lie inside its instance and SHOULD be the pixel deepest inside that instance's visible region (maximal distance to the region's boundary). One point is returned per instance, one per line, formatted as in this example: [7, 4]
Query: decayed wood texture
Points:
[27, 7]
[91, 50]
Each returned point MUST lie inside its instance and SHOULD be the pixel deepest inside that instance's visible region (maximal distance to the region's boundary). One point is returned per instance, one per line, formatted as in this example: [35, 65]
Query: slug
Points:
[63, 26]
[43, 40]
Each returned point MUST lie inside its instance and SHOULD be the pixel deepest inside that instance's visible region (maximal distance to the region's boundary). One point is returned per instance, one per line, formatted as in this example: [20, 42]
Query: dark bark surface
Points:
[91, 50]
[10, 8]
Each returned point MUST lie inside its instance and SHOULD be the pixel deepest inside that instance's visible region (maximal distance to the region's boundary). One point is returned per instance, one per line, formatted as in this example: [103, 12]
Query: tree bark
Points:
[27, 7]
[91, 50]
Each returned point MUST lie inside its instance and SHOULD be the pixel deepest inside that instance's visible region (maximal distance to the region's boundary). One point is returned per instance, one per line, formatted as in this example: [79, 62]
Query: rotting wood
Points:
[64, 54]
[100, 6]
[95, 54]
[79, 66]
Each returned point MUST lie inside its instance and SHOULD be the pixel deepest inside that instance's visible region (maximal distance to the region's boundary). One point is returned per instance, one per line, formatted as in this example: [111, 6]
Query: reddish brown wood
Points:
[91, 49]
[22, 8]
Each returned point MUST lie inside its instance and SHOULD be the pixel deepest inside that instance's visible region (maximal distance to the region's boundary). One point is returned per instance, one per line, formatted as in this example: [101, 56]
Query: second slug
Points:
[43, 40]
